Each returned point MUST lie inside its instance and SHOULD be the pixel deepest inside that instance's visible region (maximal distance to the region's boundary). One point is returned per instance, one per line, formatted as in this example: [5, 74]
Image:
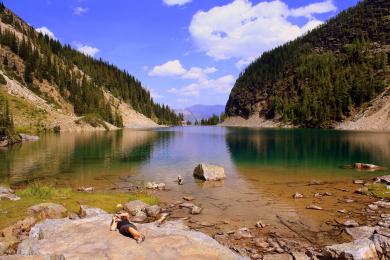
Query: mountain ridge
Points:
[323, 78]
[71, 84]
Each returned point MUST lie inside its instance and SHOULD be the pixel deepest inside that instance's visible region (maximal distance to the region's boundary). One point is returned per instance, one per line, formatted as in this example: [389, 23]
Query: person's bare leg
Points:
[135, 233]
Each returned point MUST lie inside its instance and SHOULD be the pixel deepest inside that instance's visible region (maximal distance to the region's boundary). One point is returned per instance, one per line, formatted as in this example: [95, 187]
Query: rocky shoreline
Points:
[364, 233]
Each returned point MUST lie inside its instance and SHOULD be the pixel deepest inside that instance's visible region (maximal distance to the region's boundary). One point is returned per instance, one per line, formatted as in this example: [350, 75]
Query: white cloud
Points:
[242, 63]
[176, 2]
[244, 30]
[220, 85]
[80, 10]
[86, 49]
[175, 68]
[315, 8]
[154, 93]
[170, 68]
[45, 31]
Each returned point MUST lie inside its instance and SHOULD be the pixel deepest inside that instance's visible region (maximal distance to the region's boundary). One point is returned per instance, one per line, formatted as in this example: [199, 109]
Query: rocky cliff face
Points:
[330, 75]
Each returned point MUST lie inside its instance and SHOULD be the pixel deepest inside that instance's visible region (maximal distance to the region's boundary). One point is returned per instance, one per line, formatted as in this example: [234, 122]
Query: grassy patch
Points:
[379, 190]
[93, 120]
[12, 211]
[27, 118]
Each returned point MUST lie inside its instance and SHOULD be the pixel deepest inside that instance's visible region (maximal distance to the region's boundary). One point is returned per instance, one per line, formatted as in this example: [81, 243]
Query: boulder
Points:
[356, 250]
[382, 245]
[277, 257]
[300, 256]
[47, 210]
[367, 166]
[385, 179]
[91, 238]
[208, 172]
[139, 217]
[153, 211]
[87, 211]
[26, 138]
[361, 232]
[135, 206]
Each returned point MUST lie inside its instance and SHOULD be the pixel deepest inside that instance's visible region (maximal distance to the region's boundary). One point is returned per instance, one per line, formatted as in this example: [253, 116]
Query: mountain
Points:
[326, 78]
[199, 112]
[47, 85]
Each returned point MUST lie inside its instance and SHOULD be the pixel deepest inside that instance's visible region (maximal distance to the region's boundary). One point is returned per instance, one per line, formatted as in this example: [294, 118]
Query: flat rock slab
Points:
[83, 238]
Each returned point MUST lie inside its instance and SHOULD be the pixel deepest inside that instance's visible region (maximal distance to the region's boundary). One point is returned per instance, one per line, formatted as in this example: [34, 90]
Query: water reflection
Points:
[75, 155]
[307, 148]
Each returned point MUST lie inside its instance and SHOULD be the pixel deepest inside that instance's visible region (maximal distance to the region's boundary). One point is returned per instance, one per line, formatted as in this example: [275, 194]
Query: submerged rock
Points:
[47, 210]
[315, 207]
[26, 138]
[208, 172]
[358, 249]
[297, 195]
[260, 224]
[81, 239]
[366, 166]
[196, 210]
[361, 232]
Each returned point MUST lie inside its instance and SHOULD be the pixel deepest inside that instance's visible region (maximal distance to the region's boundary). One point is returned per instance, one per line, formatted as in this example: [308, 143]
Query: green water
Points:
[110, 157]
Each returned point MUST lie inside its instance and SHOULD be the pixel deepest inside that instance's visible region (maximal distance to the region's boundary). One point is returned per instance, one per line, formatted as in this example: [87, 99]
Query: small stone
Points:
[255, 256]
[328, 193]
[315, 182]
[373, 207]
[342, 211]
[161, 186]
[385, 215]
[9, 196]
[260, 224]
[242, 233]
[297, 195]
[196, 210]
[119, 206]
[315, 207]
[358, 182]
[317, 195]
[382, 204]
[188, 198]
[225, 222]
[261, 243]
[351, 223]
[86, 189]
[186, 205]
[349, 200]
[149, 185]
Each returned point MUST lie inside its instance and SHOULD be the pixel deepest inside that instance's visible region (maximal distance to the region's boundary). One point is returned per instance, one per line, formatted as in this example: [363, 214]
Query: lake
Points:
[264, 167]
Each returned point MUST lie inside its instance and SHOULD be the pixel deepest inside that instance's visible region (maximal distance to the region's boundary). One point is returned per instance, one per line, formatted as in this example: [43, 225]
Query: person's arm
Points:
[113, 226]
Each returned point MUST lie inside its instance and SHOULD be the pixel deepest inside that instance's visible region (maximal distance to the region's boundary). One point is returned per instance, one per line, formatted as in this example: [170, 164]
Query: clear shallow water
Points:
[264, 167]
[163, 154]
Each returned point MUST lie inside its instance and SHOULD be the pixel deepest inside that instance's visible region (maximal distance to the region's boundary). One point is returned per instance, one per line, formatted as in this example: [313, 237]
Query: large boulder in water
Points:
[47, 210]
[91, 238]
[209, 172]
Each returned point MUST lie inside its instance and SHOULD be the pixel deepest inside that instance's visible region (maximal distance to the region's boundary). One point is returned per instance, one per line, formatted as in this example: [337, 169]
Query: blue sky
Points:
[184, 51]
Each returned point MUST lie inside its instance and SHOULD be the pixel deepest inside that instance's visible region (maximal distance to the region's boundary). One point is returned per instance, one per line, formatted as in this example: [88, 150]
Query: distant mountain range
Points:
[198, 112]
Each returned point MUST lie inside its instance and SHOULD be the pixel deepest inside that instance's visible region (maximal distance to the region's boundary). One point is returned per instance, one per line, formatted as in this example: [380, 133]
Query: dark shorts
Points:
[124, 229]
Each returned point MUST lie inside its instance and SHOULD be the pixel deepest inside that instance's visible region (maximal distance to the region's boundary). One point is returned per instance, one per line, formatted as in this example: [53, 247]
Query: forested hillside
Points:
[322, 77]
[37, 61]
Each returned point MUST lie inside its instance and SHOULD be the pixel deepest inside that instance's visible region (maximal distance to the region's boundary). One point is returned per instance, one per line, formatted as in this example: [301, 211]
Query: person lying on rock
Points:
[123, 224]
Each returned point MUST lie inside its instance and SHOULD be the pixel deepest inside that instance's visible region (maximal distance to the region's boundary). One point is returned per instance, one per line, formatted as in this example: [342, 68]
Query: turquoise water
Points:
[161, 155]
